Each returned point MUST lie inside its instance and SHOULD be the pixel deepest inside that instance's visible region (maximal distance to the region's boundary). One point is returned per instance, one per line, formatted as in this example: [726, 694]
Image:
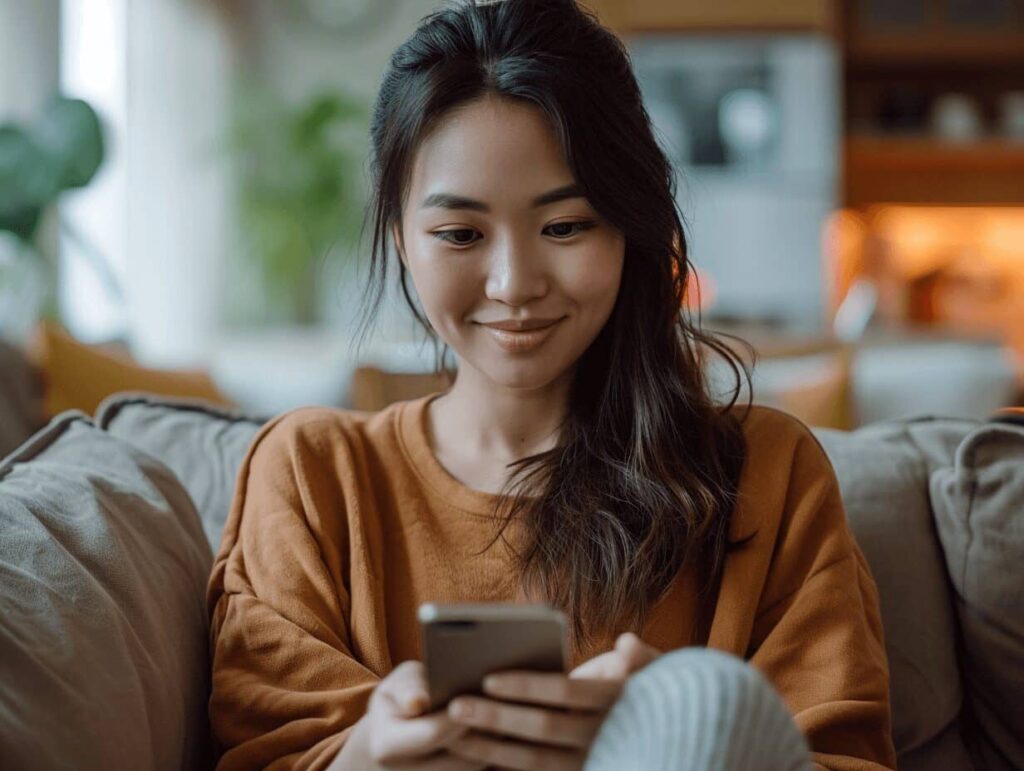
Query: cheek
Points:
[594, 282]
[444, 286]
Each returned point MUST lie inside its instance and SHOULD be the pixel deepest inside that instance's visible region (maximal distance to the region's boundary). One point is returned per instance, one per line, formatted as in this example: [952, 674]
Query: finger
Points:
[404, 690]
[537, 724]
[636, 652]
[516, 755]
[406, 739]
[611, 665]
[552, 689]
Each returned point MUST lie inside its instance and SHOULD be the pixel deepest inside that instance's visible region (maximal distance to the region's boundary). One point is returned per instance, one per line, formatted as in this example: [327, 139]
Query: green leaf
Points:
[28, 177]
[69, 132]
[63, 151]
[21, 222]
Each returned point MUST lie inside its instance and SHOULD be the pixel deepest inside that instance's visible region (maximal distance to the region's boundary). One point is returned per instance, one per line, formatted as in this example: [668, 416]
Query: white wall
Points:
[28, 56]
[93, 67]
[179, 216]
[160, 74]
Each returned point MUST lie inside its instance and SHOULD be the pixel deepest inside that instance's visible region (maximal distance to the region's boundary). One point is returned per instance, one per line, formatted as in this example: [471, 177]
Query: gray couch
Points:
[109, 523]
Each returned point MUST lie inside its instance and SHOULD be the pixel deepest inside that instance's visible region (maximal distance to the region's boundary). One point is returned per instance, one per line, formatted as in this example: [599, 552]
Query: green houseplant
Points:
[61, 151]
[299, 198]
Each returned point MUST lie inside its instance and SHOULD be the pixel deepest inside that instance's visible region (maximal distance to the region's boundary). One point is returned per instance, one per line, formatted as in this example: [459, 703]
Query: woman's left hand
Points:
[629, 655]
[545, 721]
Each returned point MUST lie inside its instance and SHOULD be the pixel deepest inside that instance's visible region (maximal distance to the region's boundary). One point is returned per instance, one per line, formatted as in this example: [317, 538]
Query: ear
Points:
[396, 236]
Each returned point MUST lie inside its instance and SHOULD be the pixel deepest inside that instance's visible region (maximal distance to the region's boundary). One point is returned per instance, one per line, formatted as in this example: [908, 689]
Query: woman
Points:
[577, 459]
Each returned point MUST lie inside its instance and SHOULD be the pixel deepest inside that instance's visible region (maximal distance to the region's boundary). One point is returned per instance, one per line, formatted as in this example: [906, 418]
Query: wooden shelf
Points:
[925, 170]
[928, 152]
[936, 49]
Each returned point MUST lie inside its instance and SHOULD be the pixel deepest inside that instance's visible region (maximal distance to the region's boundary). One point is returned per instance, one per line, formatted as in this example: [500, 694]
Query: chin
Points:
[528, 374]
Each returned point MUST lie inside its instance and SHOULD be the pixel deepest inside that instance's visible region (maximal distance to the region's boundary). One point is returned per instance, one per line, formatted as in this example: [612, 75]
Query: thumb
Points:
[405, 690]
[635, 651]
[413, 703]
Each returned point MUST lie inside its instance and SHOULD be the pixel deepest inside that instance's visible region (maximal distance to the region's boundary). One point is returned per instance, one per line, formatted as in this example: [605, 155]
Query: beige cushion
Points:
[883, 473]
[202, 443]
[103, 625]
[979, 511]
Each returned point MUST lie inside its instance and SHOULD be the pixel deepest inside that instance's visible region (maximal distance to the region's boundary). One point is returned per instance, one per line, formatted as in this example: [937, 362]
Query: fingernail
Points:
[492, 682]
[462, 709]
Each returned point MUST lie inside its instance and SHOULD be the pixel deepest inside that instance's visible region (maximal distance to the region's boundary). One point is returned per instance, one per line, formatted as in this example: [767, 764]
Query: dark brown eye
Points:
[568, 229]
[461, 237]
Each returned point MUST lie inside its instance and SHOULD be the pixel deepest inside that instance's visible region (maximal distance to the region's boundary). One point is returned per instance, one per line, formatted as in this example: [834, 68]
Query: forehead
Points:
[498, 150]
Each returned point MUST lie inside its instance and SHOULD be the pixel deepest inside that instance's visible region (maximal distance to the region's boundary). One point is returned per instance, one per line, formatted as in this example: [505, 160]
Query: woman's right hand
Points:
[396, 734]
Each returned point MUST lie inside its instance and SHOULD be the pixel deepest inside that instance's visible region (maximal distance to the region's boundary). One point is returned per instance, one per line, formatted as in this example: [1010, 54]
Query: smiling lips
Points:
[520, 335]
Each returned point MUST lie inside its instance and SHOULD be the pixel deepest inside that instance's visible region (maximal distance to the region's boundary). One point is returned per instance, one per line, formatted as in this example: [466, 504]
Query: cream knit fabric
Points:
[696, 709]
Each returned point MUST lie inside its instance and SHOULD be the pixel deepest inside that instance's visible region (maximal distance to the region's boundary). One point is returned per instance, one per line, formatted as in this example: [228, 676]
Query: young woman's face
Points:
[515, 270]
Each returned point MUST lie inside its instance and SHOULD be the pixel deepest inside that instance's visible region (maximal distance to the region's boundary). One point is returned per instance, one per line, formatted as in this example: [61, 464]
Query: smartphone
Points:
[463, 642]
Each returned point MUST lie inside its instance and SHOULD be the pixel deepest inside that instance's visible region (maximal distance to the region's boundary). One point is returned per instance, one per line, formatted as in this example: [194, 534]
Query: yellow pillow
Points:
[80, 376]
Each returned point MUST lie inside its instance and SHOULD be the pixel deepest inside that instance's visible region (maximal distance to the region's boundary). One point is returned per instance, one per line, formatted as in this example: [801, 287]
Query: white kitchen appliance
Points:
[753, 124]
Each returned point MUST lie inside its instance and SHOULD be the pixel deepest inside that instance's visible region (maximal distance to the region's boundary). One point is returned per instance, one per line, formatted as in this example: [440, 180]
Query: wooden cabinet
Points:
[631, 16]
[881, 32]
[903, 60]
[929, 171]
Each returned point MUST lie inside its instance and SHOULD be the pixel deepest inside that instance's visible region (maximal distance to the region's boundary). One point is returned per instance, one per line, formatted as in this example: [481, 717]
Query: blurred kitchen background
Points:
[185, 216]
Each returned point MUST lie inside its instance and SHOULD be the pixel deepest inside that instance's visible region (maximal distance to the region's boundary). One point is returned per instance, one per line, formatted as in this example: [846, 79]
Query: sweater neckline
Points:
[415, 439]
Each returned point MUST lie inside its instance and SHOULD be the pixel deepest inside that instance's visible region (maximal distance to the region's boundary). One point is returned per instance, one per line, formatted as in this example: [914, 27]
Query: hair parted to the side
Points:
[645, 475]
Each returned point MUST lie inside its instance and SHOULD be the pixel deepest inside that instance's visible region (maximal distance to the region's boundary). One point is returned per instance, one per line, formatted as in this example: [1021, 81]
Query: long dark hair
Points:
[645, 474]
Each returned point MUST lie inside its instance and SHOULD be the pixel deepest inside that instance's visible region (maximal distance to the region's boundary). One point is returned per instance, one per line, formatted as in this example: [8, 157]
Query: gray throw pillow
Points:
[203, 444]
[103, 624]
[883, 472]
[979, 509]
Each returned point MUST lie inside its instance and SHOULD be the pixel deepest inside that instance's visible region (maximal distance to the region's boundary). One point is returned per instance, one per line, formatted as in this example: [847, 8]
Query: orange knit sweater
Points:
[343, 523]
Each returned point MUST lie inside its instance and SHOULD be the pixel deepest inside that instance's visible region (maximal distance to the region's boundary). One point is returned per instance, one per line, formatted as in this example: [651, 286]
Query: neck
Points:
[499, 423]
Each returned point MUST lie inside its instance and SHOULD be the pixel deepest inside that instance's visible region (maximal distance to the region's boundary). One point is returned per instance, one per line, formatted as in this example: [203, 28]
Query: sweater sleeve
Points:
[818, 631]
[286, 686]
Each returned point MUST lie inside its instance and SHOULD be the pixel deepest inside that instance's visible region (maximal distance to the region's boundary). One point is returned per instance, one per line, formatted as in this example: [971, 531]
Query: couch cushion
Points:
[883, 473]
[979, 509]
[203, 444]
[103, 625]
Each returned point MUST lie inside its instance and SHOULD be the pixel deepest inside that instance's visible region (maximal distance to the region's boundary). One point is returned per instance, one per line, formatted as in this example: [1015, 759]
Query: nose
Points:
[516, 275]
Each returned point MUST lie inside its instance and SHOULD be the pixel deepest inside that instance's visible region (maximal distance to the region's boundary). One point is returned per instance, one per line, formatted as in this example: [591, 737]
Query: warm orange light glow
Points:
[843, 244]
[962, 267]
[700, 290]
[921, 239]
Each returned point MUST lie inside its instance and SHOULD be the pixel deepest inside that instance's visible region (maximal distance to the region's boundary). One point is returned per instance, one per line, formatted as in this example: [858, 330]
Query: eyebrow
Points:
[452, 201]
